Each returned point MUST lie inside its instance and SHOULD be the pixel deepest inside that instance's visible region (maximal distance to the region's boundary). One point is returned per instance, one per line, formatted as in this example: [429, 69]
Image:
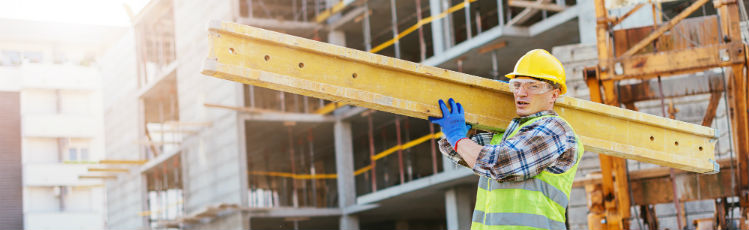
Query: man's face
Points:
[532, 96]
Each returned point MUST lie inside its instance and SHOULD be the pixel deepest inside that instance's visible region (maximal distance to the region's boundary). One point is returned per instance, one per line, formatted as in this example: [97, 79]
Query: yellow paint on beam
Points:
[272, 60]
[419, 24]
[330, 107]
[322, 16]
[293, 176]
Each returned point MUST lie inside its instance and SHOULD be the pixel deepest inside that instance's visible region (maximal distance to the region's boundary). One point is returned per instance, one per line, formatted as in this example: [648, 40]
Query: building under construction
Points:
[189, 151]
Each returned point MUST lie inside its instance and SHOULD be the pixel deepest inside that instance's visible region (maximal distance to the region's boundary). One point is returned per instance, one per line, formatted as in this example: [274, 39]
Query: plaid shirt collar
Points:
[521, 120]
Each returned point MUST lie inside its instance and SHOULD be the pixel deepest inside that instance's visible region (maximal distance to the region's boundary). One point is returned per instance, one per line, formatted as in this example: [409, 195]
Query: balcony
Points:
[63, 220]
[54, 76]
[55, 174]
[60, 125]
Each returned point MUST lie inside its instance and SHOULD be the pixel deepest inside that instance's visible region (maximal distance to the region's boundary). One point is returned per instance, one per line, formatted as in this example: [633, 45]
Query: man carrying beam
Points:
[527, 171]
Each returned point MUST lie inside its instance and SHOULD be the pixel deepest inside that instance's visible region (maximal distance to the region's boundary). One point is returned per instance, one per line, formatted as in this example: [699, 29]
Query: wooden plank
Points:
[536, 5]
[712, 108]
[676, 19]
[646, 66]
[525, 15]
[269, 59]
[673, 87]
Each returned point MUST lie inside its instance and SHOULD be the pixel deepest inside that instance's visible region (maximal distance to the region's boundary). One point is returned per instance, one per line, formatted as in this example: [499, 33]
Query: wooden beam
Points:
[269, 59]
[615, 21]
[536, 5]
[673, 87]
[712, 108]
[650, 38]
[492, 47]
[647, 66]
[525, 15]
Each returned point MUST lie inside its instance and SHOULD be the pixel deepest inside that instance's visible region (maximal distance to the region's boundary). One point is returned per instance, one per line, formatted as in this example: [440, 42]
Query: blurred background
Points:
[107, 123]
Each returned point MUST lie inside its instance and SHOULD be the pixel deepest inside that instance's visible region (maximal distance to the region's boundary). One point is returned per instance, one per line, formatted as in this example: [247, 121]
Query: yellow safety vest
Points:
[537, 203]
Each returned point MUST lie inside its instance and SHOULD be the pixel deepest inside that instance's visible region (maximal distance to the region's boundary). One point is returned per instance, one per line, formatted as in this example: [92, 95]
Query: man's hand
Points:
[453, 122]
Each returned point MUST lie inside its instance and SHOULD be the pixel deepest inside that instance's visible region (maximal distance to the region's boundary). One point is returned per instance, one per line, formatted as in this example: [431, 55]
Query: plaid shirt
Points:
[546, 144]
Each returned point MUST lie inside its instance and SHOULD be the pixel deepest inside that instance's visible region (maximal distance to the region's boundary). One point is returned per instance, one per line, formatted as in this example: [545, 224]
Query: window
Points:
[10, 58]
[32, 57]
[73, 154]
[78, 150]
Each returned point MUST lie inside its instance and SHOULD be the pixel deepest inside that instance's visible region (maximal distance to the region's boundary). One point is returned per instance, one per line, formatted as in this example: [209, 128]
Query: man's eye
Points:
[535, 86]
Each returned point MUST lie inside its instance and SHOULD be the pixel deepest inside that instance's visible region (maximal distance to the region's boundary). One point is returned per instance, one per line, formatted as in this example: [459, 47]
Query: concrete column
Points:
[459, 207]
[438, 42]
[344, 159]
[586, 22]
[337, 37]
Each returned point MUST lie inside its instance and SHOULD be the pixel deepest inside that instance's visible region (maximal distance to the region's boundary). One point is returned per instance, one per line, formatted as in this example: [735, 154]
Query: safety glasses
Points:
[531, 86]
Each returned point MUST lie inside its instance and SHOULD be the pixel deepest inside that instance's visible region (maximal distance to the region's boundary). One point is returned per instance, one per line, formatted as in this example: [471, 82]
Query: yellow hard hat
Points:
[539, 63]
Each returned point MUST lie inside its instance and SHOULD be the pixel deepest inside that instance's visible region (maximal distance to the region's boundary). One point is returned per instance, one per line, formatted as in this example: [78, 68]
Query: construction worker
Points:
[526, 172]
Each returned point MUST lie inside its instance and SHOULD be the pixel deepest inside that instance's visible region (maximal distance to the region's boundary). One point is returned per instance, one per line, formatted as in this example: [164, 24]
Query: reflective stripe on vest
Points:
[537, 203]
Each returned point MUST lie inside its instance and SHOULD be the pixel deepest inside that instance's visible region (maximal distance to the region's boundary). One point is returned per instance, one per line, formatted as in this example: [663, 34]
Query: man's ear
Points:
[555, 94]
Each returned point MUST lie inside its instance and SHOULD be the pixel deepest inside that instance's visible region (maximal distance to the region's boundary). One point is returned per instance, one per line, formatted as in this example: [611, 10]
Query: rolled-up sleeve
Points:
[448, 151]
[534, 148]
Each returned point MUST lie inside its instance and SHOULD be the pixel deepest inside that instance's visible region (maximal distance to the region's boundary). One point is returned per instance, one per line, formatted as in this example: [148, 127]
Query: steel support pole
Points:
[500, 13]
[438, 42]
[367, 33]
[467, 10]
[400, 150]
[394, 24]
[370, 135]
[433, 149]
[422, 44]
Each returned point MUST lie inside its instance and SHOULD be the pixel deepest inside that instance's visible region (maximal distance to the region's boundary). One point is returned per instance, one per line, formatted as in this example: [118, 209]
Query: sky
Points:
[87, 12]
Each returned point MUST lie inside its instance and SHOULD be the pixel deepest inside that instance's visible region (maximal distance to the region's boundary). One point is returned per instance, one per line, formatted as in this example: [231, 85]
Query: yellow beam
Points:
[269, 59]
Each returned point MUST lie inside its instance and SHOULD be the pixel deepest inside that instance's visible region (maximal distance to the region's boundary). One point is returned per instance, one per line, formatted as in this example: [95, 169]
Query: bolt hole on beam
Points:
[267, 58]
[354, 75]
[700, 148]
[676, 143]
[652, 138]
[301, 65]
[231, 50]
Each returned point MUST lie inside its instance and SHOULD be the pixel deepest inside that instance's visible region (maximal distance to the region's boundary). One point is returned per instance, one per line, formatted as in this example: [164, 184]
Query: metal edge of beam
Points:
[430, 182]
[351, 112]
[611, 130]
[159, 159]
[553, 21]
[291, 212]
[357, 208]
[351, 15]
[288, 117]
[476, 42]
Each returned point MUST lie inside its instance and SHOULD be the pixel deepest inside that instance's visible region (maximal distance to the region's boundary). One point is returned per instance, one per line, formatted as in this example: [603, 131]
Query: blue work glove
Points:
[453, 122]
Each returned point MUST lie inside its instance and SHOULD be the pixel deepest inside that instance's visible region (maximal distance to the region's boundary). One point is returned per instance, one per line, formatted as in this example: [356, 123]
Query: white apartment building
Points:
[53, 67]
